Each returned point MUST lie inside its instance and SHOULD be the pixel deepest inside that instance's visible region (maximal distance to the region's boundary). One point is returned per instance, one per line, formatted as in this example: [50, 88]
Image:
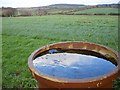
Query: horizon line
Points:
[56, 4]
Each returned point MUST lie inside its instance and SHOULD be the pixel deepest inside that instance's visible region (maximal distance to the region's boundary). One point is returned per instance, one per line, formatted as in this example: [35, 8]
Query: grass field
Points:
[22, 35]
[98, 11]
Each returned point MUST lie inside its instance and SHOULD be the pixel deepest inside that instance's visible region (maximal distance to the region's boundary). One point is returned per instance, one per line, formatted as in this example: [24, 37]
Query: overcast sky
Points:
[35, 3]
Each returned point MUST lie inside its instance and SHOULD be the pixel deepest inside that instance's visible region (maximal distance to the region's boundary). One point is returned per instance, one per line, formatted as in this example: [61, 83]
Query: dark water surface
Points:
[72, 65]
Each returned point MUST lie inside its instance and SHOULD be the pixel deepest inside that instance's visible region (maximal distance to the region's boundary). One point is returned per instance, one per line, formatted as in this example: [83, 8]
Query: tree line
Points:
[8, 12]
[38, 11]
[12, 12]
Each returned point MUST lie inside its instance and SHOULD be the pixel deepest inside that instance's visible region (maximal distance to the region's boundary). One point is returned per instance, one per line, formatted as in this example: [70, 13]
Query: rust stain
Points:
[70, 46]
[54, 79]
[33, 74]
[47, 47]
[84, 47]
[98, 84]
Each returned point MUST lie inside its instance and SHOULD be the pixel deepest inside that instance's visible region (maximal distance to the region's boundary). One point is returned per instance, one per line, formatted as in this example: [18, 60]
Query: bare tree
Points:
[40, 12]
[8, 12]
[25, 13]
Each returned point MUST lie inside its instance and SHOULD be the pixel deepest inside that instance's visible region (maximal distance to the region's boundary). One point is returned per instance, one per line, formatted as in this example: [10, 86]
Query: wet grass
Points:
[22, 35]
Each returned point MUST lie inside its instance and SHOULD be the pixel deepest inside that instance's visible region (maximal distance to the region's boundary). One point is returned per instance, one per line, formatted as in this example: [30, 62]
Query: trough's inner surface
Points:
[73, 64]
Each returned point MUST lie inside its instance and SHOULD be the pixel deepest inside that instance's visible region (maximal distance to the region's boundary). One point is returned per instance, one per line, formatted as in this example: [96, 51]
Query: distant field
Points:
[98, 11]
[22, 35]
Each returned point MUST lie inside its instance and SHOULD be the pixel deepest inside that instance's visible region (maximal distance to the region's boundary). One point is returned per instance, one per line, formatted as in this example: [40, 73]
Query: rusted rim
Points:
[65, 80]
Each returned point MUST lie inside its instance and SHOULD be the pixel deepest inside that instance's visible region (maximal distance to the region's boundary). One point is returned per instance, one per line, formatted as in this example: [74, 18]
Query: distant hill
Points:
[109, 5]
[66, 5]
[59, 6]
[64, 9]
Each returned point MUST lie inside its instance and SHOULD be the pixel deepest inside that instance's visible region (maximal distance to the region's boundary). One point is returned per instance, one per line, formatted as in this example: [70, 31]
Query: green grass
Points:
[98, 11]
[16, 50]
[22, 35]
